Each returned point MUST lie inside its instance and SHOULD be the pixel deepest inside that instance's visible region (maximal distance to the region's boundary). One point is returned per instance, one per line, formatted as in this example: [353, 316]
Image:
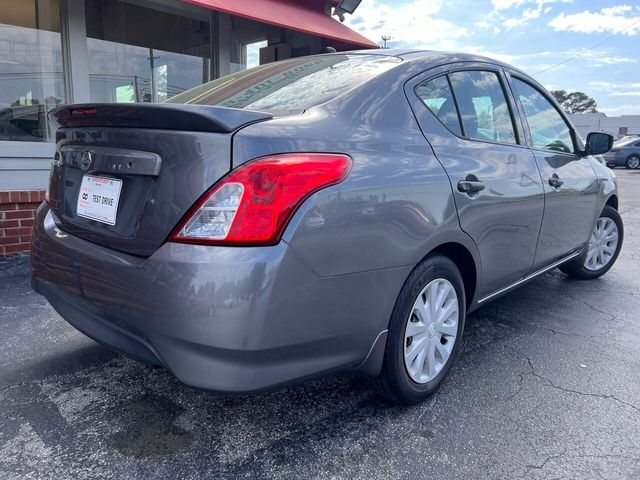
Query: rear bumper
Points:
[221, 318]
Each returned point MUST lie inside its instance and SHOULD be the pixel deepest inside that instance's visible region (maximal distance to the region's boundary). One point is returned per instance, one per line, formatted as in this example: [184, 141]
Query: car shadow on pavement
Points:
[144, 413]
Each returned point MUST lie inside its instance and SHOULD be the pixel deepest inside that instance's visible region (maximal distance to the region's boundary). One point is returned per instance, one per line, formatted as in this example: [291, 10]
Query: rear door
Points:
[570, 183]
[465, 114]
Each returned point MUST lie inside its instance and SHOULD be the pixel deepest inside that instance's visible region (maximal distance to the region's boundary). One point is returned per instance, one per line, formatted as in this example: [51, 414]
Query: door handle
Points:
[555, 181]
[470, 186]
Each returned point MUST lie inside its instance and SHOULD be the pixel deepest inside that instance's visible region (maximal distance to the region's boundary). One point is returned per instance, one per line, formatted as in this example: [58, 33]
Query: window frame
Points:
[506, 91]
[525, 122]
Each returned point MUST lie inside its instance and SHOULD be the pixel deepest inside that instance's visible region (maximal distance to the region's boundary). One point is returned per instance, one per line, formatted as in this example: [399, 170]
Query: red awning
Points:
[295, 15]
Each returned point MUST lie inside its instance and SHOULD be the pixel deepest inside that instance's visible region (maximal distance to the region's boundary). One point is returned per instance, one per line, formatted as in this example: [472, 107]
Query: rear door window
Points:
[436, 95]
[548, 129]
[483, 106]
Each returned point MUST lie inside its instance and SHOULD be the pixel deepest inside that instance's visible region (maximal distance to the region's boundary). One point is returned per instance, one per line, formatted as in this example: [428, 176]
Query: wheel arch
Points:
[612, 201]
[464, 260]
[462, 252]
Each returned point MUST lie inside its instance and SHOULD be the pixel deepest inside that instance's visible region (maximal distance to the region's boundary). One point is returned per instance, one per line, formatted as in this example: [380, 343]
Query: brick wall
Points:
[17, 211]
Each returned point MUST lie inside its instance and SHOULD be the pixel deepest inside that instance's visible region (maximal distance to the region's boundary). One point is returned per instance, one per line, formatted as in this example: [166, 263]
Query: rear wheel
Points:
[633, 161]
[602, 249]
[425, 331]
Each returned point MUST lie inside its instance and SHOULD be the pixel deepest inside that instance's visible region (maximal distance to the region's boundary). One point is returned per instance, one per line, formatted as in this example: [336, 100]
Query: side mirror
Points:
[598, 143]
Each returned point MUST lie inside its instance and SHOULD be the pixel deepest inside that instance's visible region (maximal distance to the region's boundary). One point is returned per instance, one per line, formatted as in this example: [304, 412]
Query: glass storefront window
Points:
[139, 54]
[31, 73]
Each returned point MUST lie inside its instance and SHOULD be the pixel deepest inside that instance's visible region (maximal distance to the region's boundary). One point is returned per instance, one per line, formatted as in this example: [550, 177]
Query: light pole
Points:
[385, 38]
[152, 64]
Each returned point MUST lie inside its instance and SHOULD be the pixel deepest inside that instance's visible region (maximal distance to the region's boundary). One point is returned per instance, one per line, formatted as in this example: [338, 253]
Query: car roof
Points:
[434, 57]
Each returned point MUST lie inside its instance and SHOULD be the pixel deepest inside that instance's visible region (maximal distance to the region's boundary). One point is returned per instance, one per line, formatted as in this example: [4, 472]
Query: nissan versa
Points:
[336, 212]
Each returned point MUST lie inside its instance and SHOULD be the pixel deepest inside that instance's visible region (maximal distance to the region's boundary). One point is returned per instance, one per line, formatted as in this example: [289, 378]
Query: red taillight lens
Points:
[253, 204]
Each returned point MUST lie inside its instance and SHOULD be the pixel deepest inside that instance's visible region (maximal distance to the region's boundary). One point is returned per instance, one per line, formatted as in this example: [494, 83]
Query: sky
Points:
[533, 35]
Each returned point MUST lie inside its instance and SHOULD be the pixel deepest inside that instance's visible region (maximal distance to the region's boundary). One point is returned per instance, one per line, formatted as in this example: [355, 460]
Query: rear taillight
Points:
[253, 204]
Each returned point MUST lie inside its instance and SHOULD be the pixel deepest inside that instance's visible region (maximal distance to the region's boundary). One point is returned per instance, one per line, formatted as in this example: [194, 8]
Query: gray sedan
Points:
[624, 154]
[319, 214]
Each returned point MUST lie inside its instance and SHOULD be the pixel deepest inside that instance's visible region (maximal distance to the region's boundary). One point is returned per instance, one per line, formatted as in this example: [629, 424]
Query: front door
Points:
[570, 183]
[496, 184]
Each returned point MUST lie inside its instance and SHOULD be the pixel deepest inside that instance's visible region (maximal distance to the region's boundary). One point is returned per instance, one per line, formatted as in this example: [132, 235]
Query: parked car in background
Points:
[319, 214]
[624, 153]
[632, 136]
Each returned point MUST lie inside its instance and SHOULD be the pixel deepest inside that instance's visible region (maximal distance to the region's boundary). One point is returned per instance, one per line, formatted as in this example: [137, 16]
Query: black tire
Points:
[394, 381]
[576, 269]
[633, 162]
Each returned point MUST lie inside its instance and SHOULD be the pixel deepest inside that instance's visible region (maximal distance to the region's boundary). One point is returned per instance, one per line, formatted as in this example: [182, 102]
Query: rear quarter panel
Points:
[396, 204]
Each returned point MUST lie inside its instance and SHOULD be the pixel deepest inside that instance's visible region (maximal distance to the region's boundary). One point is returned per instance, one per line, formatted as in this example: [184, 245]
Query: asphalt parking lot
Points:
[547, 386]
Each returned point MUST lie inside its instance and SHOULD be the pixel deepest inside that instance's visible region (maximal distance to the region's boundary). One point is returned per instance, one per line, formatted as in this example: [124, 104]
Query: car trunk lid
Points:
[124, 175]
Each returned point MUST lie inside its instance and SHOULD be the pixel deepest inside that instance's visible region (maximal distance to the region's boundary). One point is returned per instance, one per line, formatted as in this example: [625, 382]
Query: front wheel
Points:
[425, 331]
[602, 249]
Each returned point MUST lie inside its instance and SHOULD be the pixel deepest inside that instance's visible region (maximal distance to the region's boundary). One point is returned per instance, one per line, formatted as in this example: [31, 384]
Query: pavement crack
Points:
[547, 460]
[520, 387]
[560, 332]
[612, 317]
[547, 382]
[594, 308]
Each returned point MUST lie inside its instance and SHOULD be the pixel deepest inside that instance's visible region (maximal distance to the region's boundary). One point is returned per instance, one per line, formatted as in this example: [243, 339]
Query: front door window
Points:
[548, 129]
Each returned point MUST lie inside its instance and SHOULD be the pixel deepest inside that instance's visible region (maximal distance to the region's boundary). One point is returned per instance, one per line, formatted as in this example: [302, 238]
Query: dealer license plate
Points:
[98, 198]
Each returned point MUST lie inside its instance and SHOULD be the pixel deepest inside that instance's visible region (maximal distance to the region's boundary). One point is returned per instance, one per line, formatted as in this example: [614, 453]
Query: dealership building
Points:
[619, 127]
[54, 52]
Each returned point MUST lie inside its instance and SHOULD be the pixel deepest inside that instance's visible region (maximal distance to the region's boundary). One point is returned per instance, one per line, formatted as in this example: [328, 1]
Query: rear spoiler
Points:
[163, 116]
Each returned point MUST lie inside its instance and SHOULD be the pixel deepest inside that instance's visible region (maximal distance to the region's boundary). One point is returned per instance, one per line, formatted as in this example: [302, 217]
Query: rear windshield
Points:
[289, 86]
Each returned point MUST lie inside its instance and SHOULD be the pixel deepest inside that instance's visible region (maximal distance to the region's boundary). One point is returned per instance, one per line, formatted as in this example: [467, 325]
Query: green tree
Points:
[575, 102]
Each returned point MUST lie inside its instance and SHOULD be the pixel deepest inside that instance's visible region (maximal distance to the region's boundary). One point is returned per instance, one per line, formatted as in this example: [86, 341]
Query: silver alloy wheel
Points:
[602, 244]
[431, 330]
[634, 162]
